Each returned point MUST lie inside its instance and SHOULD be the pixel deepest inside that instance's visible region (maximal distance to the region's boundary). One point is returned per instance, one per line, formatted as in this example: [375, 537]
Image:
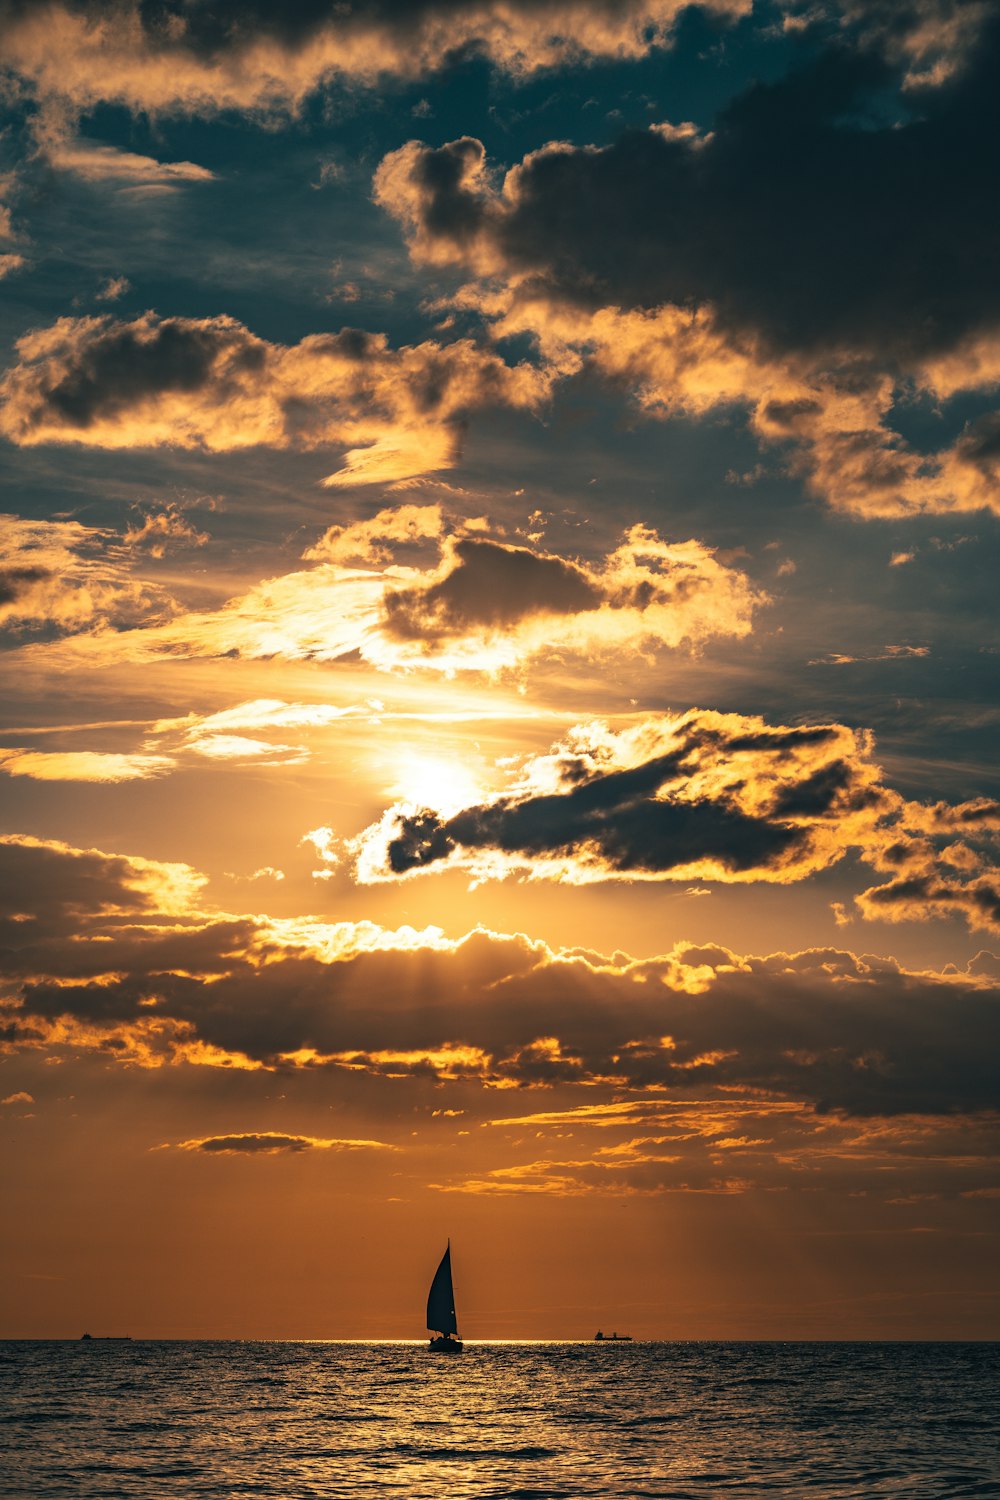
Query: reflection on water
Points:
[504, 1422]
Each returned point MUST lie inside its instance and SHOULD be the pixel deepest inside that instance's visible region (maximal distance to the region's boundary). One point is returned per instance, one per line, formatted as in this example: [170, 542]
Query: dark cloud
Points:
[269, 1143]
[837, 1030]
[708, 796]
[203, 56]
[124, 366]
[915, 897]
[620, 816]
[824, 212]
[45, 885]
[251, 1144]
[489, 586]
[693, 803]
[16, 582]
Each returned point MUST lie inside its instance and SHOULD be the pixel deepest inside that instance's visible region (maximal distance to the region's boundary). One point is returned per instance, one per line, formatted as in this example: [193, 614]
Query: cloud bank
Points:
[816, 257]
[168, 984]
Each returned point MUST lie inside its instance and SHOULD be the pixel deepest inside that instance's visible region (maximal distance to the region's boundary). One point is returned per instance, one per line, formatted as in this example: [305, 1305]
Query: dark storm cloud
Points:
[489, 586]
[823, 213]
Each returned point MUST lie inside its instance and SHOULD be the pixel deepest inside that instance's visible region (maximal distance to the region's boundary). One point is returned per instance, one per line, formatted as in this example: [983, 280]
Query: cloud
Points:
[202, 58]
[269, 1143]
[97, 163]
[748, 221]
[889, 653]
[926, 893]
[485, 606]
[162, 531]
[19, 1098]
[489, 586]
[63, 576]
[166, 744]
[113, 288]
[697, 271]
[50, 886]
[733, 1146]
[492, 604]
[210, 383]
[705, 796]
[699, 796]
[375, 540]
[824, 1030]
[83, 765]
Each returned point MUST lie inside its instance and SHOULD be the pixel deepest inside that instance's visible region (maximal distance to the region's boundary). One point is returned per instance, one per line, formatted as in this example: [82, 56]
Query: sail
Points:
[441, 1299]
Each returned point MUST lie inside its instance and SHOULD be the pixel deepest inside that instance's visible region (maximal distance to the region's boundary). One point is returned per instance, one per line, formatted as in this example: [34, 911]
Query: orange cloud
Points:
[486, 605]
[115, 956]
[269, 1142]
[210, 383]
[704, 796]
[178, 59]
[64, 574]
[82, 765]
[547, 272]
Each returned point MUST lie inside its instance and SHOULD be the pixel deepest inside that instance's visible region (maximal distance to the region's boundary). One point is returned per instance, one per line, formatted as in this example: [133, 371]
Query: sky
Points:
[499, 670]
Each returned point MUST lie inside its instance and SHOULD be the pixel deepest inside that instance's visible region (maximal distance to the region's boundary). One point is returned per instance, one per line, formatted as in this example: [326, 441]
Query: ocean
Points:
[547, 1421]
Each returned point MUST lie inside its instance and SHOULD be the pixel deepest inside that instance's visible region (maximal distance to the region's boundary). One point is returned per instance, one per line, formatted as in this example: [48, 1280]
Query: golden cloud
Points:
[269, 1143]
[70, 576]
[827, 400]
[83, 765]
[704, 796]
[210, 383]
[484, 606]
[158, 981]
[182, 59]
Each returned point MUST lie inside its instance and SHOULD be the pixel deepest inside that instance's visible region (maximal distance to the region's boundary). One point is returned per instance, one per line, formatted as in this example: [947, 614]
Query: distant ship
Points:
[609, 1338]
[441, 1321]
[106, 1338]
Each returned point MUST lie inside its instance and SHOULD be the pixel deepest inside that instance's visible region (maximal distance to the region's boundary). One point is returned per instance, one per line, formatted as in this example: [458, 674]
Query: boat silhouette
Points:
[612, 1338]
[441, 1321]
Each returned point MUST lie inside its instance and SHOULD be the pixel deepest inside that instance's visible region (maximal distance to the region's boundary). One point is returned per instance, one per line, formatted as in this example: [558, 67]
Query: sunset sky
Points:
[498, 601]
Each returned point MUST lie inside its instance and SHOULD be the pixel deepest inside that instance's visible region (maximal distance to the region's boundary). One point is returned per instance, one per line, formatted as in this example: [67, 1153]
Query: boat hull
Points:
[445, 1345]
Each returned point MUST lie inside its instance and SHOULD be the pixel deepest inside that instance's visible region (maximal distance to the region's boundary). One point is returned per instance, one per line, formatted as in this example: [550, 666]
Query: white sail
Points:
[441, 1299]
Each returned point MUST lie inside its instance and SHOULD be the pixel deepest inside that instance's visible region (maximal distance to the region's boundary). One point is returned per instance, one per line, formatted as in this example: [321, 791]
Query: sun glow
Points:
[444, 783]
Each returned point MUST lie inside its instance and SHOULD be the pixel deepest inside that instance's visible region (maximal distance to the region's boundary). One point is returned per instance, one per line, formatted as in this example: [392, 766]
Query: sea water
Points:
[500, 1422]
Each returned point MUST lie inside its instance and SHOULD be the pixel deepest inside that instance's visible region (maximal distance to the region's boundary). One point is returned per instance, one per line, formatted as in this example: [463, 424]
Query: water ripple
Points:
[232, 1421]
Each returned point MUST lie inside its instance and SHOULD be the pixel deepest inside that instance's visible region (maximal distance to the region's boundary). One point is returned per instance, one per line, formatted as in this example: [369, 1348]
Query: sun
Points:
[444, 783]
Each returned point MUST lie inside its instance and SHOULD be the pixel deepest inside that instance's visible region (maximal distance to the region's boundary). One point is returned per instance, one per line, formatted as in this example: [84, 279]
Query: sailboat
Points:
[441, 1321]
